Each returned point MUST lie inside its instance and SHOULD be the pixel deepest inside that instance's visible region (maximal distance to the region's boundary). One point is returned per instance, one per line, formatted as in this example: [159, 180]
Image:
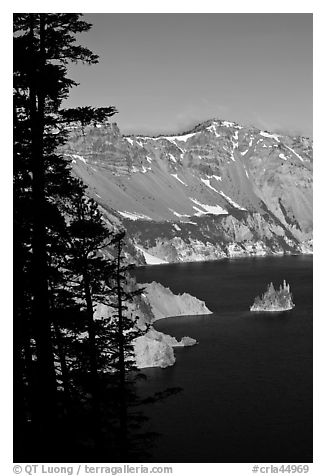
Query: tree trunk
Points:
[122, 368]
[46, 388]
[91, 327]
[97, 421]
[63, 366]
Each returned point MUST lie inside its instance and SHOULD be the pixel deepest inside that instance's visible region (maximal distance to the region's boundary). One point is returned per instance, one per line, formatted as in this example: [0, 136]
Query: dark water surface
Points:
[247, 386]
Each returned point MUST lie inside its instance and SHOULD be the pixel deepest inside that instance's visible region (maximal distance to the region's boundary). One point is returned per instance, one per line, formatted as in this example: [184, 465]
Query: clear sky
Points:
[167, 72]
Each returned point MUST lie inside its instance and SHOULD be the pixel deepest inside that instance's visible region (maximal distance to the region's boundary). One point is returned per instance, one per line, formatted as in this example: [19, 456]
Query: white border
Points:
[319, 466]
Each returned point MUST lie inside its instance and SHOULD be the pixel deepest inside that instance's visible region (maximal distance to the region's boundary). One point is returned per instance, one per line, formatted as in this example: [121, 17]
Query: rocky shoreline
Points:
[155, 349]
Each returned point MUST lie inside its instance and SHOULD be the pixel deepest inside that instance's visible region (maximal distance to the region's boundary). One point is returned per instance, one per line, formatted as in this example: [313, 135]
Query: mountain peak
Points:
[220, 189]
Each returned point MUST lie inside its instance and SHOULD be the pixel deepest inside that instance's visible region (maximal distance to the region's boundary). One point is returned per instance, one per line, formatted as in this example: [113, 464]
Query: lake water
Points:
[247, 385]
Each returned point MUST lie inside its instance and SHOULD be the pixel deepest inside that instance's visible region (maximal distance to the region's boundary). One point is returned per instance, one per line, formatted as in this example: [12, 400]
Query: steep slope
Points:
[155, 349]
[166, 304]
[219, 190]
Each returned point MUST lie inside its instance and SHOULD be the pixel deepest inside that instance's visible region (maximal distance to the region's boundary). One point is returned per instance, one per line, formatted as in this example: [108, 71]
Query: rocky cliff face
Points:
[220, 190]
[164, 303]
[155, 349]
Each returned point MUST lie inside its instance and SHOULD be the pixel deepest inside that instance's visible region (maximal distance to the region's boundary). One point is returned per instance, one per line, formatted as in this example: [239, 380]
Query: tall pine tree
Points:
[44, 44]
[61, 353]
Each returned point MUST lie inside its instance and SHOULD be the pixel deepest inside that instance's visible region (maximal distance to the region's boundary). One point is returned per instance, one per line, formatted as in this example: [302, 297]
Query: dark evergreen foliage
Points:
[74, 393]
[87, 115]
[43, 46]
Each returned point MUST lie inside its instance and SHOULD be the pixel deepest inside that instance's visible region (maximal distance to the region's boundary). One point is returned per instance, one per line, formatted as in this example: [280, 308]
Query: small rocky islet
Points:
[274, 300]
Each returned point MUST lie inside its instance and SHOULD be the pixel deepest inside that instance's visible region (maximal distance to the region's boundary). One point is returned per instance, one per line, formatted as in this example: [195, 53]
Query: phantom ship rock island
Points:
[273, 300]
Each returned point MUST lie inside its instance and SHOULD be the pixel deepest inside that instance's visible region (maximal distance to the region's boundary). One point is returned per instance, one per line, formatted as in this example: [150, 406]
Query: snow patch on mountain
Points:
[282, 156]
[235, 143]
[295, 153]
[217, 177]
[134, 216]
[235, 204]
[228, 124]
[212, 128]
[79, 157]
[207, 183]
[182, 138]
[179, 215]
[145, 169]
[178, 178]
[213, 209]
[270, 136]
